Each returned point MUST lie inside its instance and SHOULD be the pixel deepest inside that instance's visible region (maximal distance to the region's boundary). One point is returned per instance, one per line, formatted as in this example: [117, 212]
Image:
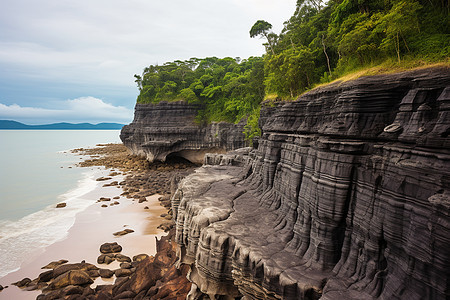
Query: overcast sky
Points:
[74, 61]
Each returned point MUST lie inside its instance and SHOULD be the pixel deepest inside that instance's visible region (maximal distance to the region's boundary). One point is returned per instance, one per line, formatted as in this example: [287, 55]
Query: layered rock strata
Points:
[346, 197]
[169, 128]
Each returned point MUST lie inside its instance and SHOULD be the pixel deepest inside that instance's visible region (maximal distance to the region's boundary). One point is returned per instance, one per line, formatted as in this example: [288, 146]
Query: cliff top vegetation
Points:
[321, 42]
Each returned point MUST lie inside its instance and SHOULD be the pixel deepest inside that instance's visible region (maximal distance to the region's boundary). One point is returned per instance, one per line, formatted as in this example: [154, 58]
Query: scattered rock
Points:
[103, 178]
[61, 205]
[139, 257]
[104, 205]
[116, 197]
[105, 259]
[102, 199]
[22, 283]
[122, 272]
[105, 273]
[122, 258]
[45, 276]
[116, 203]
[1, 287]
[54, 264]
[123, 232]
[166, 226]
[73, 277]
[146, 207]
[110, 248]
[94, 273]
[126, 265]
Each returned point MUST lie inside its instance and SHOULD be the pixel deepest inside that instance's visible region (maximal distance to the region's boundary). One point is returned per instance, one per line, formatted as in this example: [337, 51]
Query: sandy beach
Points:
[95, 226]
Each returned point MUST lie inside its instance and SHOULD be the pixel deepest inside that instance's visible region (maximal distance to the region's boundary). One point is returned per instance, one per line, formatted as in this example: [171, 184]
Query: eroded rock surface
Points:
[347, 196]
[159, 130]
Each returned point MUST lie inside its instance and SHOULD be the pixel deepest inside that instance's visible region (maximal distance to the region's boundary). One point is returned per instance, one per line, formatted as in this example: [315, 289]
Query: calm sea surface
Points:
[35, 175]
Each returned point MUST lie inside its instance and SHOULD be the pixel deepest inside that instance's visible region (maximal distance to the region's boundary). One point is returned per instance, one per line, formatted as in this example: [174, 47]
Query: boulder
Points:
[110, 248]
[54, 264]
[105, 273]
[73, 277]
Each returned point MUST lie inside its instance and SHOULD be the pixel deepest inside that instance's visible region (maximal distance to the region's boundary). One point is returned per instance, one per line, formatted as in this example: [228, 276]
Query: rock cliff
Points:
[347, 196]
[169, 128]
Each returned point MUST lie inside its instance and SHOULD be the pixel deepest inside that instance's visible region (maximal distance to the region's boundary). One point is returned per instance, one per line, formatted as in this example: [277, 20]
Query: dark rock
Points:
[1, 287]
[105, 258]
[103, 178]
[22, 283]
[61, 205]
[54, 264]
[139, 257]
[110, 248]
[105, 273]
[125, 295]
[73, 277]
[122, 258]
[45, 276]
[94, 273]
[72, 290]
[346, 197]
[123, 232]
[126, 265]
[170, 127]
[122, 272]
[69, 267]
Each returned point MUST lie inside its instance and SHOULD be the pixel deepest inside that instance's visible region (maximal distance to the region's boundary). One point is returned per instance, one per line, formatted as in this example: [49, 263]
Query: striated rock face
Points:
[169, 128]
[346, 197]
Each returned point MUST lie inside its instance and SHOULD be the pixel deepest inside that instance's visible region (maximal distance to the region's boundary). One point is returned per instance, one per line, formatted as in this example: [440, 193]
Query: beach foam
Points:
[22, 239]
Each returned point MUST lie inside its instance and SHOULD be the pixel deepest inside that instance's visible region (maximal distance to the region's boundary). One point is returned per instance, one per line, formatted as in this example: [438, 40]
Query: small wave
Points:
[22, 238]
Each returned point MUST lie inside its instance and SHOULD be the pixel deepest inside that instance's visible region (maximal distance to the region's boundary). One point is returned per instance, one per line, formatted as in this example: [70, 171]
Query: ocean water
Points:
[37, 171]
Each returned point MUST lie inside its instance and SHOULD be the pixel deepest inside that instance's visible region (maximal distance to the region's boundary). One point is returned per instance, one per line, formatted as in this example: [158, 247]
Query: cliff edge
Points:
[169, 128]
[347, 196]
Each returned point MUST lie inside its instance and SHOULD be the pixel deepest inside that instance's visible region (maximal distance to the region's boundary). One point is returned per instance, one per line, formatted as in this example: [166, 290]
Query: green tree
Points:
[262, 28]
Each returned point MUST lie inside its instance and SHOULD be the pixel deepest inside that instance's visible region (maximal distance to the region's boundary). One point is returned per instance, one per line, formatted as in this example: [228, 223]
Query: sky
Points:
[74, 61]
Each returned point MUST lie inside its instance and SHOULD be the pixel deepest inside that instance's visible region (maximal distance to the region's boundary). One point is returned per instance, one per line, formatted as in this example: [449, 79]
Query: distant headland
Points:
[14, 125]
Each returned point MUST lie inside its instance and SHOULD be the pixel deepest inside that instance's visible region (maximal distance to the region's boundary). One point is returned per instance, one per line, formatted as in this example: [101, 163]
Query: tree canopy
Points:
[321, 41]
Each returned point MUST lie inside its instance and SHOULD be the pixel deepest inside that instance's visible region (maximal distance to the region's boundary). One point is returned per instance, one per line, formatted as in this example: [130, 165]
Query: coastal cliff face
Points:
[169, 128]
[347, 196]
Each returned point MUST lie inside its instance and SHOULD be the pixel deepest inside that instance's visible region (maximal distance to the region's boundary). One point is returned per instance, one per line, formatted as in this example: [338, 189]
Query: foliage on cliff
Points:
[321, 41]
[226, 89]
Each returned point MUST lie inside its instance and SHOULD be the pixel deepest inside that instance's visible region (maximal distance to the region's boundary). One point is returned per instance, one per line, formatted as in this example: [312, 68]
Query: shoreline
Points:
[95, 225]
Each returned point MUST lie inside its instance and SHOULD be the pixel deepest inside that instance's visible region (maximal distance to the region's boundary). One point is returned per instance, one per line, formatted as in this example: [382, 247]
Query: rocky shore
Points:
[137, 277]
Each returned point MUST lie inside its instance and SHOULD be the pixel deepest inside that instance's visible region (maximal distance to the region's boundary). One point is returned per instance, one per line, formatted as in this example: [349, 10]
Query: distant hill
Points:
[7, 124]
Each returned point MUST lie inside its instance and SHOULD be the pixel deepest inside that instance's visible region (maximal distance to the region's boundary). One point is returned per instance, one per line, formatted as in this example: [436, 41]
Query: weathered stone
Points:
[122, 272]
[73, 277]
[345, 197]
[22, 283]
[54, 264]
[126, 265]
[45, 276]
[140, 257]
[110, 248]
[105, 258]
[123, 232]
[122, 258]
[61, 205]
[105, 273]
[169, 127]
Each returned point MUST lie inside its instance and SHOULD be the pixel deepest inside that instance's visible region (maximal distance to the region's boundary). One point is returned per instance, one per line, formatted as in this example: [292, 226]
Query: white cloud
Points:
[84, 109]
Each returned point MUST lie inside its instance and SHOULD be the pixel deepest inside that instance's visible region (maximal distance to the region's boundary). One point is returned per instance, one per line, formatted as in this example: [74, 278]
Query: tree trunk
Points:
[325, 51]
[270, 44]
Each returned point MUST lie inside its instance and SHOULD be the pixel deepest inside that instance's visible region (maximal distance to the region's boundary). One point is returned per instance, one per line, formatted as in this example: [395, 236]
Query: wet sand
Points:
[93, 227]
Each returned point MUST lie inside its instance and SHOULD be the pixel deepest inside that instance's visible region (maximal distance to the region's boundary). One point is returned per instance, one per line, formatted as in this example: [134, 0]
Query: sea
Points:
[37, 171]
